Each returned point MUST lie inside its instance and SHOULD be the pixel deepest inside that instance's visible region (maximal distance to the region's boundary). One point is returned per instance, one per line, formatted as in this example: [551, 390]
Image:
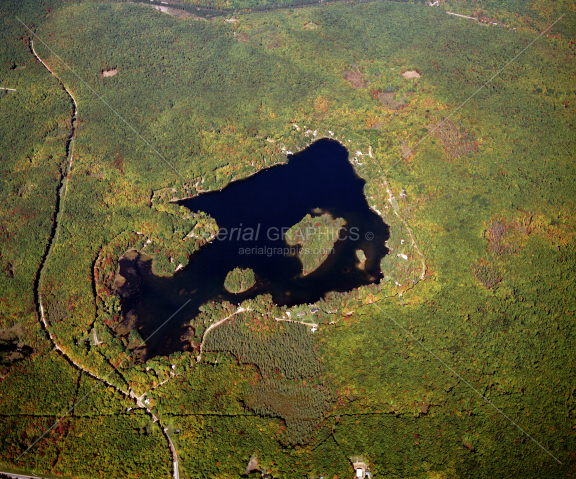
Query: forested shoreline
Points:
[480, 269]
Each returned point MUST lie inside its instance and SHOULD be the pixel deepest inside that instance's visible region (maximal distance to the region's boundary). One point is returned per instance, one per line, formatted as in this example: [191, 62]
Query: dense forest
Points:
[239, 280]
[476, 307]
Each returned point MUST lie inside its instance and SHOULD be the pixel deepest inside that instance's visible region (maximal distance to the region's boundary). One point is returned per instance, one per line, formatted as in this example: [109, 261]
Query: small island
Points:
[361, 258]
[316, 235]
[239, 280]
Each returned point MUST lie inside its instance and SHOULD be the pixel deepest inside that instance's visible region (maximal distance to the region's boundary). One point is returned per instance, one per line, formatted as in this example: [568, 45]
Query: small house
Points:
[360, 467]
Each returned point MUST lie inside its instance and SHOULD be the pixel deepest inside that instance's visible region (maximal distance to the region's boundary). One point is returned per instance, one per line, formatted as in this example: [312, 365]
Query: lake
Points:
[252, 215]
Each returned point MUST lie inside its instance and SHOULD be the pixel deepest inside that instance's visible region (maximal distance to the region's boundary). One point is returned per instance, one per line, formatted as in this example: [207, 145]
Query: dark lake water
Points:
[319, 178]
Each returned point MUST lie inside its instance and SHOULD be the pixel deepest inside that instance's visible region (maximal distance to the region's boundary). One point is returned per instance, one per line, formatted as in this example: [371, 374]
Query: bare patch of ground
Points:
[310, 26]
[411, 74]
[456, 142]
[487, 273]
[12, 347]
[355, 77]
[406, 150]
[273, 43]
[252, 465]
[109, 73]
[387, 100]
[241, 37]
[267, 36]
[12, 334]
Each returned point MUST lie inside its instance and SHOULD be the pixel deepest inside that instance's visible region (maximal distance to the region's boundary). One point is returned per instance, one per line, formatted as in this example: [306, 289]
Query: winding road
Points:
[62, 190]
[215, 325]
